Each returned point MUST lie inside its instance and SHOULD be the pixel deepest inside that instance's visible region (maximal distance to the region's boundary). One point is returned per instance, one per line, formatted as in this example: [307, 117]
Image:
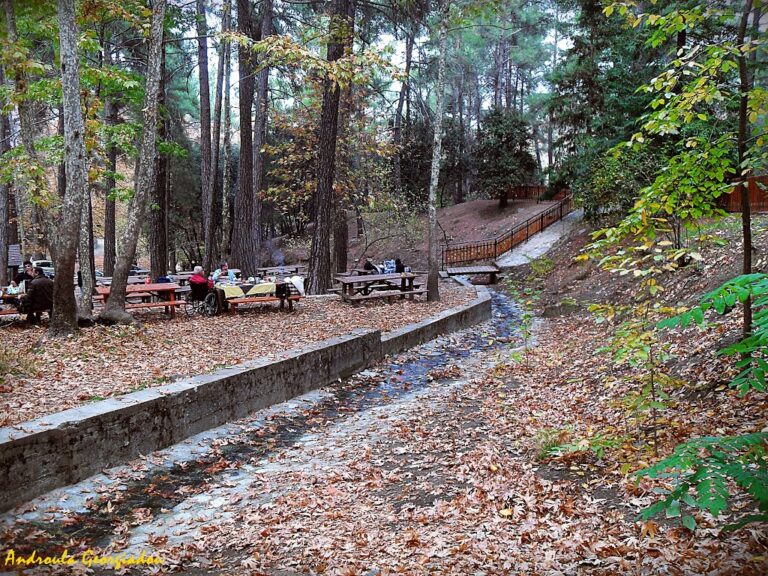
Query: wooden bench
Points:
[156, 304]
[235, 302]
[388, 294]
[9, 311]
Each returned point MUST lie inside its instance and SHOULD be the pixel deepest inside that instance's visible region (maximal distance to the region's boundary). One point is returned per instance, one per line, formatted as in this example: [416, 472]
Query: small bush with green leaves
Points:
[708, 466]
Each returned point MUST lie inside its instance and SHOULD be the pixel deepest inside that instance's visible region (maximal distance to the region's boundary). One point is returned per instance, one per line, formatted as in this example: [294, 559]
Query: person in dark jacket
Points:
[39, 297]
[400, 269]
[24, 275]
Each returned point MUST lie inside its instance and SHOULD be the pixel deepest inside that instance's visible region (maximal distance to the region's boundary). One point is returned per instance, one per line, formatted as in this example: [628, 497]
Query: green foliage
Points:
[503, 153]
[541, 267]
[597, 444]
[613, 182]
[752, 350]
[705, 467]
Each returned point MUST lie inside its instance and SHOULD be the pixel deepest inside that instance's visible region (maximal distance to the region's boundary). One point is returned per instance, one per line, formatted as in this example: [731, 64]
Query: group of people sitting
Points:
[33, 291]
[389, 267]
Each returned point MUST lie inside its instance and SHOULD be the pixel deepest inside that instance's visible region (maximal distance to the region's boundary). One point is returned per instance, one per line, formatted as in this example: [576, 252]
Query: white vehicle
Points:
[46, 265]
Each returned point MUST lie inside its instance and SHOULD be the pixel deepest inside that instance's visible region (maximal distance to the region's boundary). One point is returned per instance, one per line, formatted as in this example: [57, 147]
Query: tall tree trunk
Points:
[221, 69]
[5, 145]
[397, 132]
[158, 215]
[433, 290]
[260, 128]
[32, 240]
[145, 183]
[64, 315]
[244, 238]
[85, 250]
[745, 85]
[226, 189]
[206, 177]
[320, 257]
[61, 175]
[111, 116]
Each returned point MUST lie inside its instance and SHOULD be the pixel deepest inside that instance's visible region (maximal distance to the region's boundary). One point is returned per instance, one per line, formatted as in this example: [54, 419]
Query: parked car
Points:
[138, 271]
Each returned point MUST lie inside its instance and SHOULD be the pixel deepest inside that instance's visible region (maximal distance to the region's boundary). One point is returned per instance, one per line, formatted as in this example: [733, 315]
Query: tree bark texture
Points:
[158, 215]
[226, 189]
[110, 112]
[221, 69]
[397, 132]
[115, 307]
[245, 243]
[745, 85]
[32, 241]
[320, 256]
[260, 126]
[65, 241]
[206, 175]
[433, 290]
[5, 145]
[85, 250]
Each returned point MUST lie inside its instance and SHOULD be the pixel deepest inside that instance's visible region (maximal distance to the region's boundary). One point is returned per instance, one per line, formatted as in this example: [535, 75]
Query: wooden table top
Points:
[160, 287]
[367, 278]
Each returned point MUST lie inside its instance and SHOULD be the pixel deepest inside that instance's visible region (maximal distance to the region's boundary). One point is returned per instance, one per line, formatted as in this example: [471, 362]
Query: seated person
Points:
[199, 283]
[371, 267]
[224, 270]
[26, 274]
[400, 269]
[39, 297]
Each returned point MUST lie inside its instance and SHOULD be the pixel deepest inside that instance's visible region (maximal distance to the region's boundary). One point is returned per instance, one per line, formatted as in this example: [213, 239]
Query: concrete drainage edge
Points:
[64, 448]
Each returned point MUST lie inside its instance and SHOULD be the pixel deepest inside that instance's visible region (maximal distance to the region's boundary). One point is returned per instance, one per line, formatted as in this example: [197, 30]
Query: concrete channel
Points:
[65, 448]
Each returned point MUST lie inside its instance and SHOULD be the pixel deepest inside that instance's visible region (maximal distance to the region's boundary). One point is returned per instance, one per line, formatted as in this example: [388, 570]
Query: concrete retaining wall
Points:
[67, 447]
[445, 322]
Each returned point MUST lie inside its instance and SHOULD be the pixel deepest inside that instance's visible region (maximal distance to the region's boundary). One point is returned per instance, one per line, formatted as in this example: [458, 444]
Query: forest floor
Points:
[39, 376]
[435, 461]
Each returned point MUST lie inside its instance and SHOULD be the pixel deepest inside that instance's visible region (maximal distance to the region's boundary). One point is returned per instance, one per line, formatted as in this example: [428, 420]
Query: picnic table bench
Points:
[371, 286]
[263, 293]
[164, 292]
[287, 269]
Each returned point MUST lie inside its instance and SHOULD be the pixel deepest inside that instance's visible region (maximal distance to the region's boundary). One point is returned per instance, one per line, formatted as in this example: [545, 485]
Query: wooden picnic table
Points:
[365, 286]
[107, 280]
[157, 290]
[11, 300]
[288, 269]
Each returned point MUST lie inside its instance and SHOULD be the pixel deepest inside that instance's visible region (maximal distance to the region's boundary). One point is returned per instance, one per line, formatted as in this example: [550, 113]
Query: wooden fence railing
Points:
[758, 197]
[492, 249]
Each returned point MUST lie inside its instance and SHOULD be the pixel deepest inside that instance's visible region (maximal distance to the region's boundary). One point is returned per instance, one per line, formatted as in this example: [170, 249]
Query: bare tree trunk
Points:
[86, 260]
[158, 234]
[216, 135]
[31, 236]
[64, 315]
[745, 86]
[244, 238]
[320, 257]
[206, 178]
[397, 132]
[226, 189]
[145, 183]
[5, 146]
[110, 112]
[433, 289]
[260, 129]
